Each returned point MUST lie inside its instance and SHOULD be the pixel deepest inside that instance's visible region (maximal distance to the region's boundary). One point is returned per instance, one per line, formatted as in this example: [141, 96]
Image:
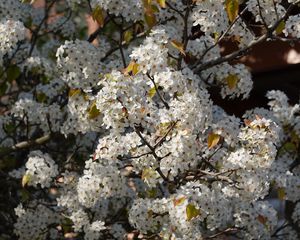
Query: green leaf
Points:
[192, 212]
[12, 73]
[232, 9]
[93, 111]
[7, 162]
[290, 147]
[152, 193]
[67, 225]
[281, 193]
[41, 97]
[152, 92]
[3, 88]
[280, 27]
[9, 128]
[25, 195]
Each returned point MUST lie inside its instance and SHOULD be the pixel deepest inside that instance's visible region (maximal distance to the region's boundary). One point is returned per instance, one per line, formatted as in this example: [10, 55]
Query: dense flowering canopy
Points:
[114, 135]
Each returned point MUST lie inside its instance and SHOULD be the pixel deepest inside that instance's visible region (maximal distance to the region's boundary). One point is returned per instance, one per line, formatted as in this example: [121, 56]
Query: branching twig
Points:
[241, 52]
[35, 33]
[222, 232]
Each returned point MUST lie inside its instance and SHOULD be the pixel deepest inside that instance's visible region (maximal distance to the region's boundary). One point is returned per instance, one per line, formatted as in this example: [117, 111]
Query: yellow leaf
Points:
[232, 81]
[262, 219]
[98, 16]
[192, 212]
[150, 213]
[247, 122]
[154, 9]
[232, 9]
[216, 36]
[125, 112]
[280, 27]
[73, 92]
[150, 19]
[132, 68]
[178, 46]
[93, 111]
[281, 193]
[162, 3]
[152, 92]
[178, 201]
[149, 11]
[135, 69]
[213, 139]
[26, 179]
[148, 173]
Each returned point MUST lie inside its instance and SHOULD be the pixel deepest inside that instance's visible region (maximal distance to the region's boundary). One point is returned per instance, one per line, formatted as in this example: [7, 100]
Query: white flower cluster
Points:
[38, 65]
[36, 222]
[129, 9]
[211, 16]
[238, 81]
[71, 60]
[40, 169]
[11, 32]
[100, 180]
[51, 89]
[152, 55]
[148, 215]
[241, 33]
[285, 114]
[258, 220]
[14, 9]
[45, 117]
[265, 11]
[63, 26]
[142, 149]
[82, 114]
[292, 27]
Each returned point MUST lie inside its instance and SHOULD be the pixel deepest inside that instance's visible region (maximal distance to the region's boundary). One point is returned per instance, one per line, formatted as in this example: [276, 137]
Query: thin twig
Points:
[158, 92]
[25, 145]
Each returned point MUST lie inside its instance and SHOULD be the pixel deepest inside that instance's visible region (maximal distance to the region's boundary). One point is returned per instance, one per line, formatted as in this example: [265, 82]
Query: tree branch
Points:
[25, 145]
